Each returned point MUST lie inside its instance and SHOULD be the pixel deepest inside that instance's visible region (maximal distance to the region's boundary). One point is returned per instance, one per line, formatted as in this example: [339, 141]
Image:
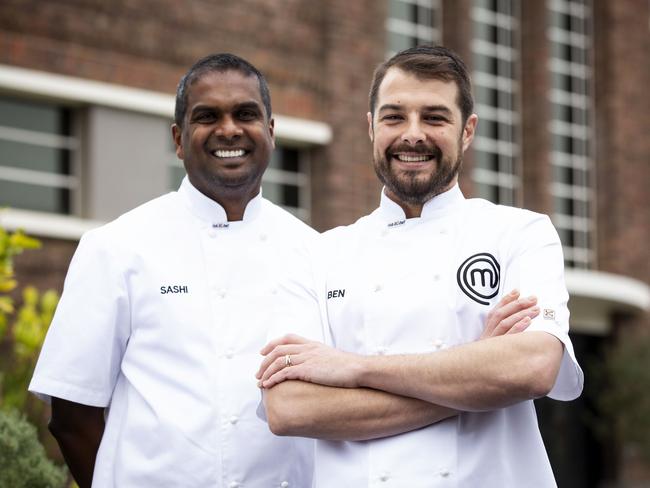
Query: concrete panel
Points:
[125, 161]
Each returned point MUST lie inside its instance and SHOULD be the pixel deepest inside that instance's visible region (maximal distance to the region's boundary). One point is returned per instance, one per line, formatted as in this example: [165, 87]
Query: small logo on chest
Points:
[479, 276]
[335, 294]
[165, 289]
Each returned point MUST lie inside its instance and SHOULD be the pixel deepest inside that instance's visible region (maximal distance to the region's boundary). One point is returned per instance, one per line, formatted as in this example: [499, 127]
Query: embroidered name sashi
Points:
[335, 294]
[173, 289]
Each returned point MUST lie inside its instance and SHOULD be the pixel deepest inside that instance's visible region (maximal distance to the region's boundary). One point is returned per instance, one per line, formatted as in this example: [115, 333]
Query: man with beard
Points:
[150, 359]
[403, 295]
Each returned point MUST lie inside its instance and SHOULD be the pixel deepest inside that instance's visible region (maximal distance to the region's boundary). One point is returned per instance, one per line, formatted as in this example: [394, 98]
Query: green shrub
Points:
[25, 315]
[23, 462]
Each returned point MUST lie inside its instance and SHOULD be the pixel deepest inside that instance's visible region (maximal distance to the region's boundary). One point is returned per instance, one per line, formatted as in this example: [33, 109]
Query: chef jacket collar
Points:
[391, 212]
[210, 211]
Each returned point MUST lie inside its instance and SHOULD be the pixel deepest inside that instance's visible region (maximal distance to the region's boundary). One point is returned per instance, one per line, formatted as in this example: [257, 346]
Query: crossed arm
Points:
[343, 396]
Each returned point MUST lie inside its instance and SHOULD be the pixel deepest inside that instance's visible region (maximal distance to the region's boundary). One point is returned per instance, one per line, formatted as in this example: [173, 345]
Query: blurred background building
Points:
[561, 87]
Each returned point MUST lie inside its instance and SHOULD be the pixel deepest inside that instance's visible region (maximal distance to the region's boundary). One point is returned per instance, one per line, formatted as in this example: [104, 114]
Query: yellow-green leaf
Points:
[30, 296]
[19, 240]
[7, 285]
[6, 305]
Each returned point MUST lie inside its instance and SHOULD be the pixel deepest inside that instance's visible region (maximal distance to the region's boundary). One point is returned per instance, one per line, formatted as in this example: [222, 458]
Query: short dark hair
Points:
[220, 63]
[428, 62]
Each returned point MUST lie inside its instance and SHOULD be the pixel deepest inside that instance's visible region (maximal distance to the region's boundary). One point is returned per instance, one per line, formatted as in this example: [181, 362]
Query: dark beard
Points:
[411, 189]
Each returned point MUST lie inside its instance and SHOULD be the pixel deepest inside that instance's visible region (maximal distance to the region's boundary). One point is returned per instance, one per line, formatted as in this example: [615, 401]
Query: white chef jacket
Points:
[391, 285]
[163, 315]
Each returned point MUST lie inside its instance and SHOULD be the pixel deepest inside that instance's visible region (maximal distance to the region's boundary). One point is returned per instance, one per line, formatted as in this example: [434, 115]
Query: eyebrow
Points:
[427, 108]
[248, 105]
[240, 106]
[438, 108]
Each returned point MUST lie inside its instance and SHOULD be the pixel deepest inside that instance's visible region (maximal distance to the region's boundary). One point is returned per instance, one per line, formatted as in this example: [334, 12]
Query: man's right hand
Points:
[511, 315]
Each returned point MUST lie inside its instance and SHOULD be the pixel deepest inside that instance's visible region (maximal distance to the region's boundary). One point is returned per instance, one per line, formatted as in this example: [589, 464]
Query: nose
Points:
[228, 128]
[413, 133]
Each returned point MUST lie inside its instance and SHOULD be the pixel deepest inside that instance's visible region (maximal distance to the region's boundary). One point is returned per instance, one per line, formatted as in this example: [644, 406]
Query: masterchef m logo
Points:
[479, 277]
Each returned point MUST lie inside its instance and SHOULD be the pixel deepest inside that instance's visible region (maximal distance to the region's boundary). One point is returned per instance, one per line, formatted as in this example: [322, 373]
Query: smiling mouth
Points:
[229, 153]
[413, 158]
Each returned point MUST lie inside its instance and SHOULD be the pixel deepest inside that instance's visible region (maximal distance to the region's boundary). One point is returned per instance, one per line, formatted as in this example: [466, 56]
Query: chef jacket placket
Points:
[406, 251]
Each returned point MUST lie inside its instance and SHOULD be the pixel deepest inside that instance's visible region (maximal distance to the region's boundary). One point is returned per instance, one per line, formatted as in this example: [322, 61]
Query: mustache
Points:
[417, 149]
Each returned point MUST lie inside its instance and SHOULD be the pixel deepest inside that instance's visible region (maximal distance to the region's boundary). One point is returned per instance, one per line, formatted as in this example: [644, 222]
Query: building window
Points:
[495, 55]
[411, 23]
[285, 182]
[570, 127]
[37, 156]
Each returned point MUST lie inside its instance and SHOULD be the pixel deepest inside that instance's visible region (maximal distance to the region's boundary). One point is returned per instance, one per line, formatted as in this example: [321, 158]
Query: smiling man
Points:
[150, 360]
[404, 293]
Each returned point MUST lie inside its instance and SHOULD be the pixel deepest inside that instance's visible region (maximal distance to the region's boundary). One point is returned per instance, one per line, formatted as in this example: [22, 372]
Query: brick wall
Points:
[535, 108]
[344, 184]
[622, 143]
[121, 42]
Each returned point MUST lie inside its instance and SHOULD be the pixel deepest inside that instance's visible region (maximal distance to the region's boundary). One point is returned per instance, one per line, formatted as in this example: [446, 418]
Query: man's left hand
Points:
[292, 357]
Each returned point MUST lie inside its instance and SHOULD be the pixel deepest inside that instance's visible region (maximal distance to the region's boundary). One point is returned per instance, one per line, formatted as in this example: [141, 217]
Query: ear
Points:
[371, 132]
[177, 135]
[272, 132]
[469, 130]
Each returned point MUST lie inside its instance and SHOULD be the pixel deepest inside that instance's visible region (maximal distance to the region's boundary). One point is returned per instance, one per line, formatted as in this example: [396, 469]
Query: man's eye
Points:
[435, 118]
[247, 115]
[204, 117]
[391, 117]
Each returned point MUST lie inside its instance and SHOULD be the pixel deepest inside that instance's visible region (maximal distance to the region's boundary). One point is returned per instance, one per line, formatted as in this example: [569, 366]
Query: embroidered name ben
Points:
[173, 289]
[335, 294]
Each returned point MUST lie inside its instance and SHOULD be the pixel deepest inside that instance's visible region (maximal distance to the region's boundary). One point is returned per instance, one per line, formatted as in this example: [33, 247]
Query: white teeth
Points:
[412, 159]
[229, 154]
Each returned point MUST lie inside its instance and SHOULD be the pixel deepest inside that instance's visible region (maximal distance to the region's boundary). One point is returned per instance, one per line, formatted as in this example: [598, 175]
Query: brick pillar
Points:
[622, 118]
[457, 35]
[344, 183]
[536, 170]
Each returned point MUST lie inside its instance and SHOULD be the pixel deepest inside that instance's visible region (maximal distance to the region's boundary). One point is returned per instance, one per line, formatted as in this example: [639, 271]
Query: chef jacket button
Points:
[274, 291]
[234, 484]
[443, 231]
[263, 237]
[384, 477]
[233, 419]
[436, 277]
[384, 232]
[444, 473]
[438, 344]
[382, 350]
[284, 484]
[229, 354]
[222, 293]
[378, 287]
[212, 233]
